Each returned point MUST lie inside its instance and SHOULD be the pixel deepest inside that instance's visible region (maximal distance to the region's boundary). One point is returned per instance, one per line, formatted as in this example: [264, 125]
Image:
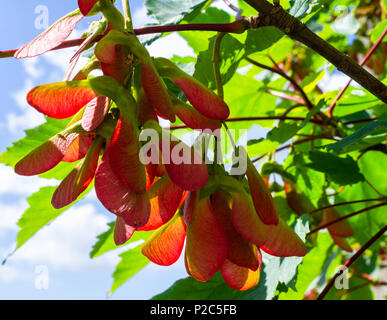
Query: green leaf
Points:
[355, 100]
[373, 166]
[131, 262]
[279, 135]
[346, 24]
[378, 30]
[312, 265]
[310, 182]
[347, 143]
[342, 171]
[367, 223]
[38, 215]
[191, 289]
[106, 242]
[199, 41]
[261, 39]
[299, 8]
[172, 11]
[231, 52]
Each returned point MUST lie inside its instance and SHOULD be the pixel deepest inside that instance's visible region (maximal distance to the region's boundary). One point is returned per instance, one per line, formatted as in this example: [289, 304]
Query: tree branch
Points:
[342, 91]
[271, 15]
[351, 261]
[326, 225]
[284, 75]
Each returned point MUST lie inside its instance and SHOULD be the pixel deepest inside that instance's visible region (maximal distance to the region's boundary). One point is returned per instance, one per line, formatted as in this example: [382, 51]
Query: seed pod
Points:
[165, 245]
[241, 252]
[282, 241]
[95, 113]
[192, 118]
[118, 198]
[46, 156]
[165, 198]
[296, 200]
[240, 278]
[338, 229]
[207, 244]
[60, 100]
[342, 243]
[86, 6]
[123, 153]
[203, 99]
[79, 178]
[50, 38]
[246, 221]
[184, 166]
[262, 199]
[122, 232]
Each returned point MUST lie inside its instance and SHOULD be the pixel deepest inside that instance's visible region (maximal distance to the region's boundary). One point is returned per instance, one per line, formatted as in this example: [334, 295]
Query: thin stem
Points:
[229, 134]
[231, 6]
[351, 261]
[284, 75]
[238, 26]
[216, 59]
[239, 119]
[127, 16]
[342, 91]
[326, 225]
[346, 203]
[373, 188]
[290, 145]
[285, 96]
[272, 15]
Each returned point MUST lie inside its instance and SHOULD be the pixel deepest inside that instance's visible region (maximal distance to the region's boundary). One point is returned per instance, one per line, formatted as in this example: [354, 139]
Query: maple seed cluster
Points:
[225, 221]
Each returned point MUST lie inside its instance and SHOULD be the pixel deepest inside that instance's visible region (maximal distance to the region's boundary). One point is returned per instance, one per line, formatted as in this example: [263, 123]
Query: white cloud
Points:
[32, 68]
[66, 243]
[169, 46]
[10, 214]
[140, 18]
[13, 184]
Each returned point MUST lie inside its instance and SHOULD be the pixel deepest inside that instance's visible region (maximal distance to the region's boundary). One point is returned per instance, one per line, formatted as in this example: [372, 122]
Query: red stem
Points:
[351, 261]
[325, 225]
[345, 203]
[183, 126]
[238, 26]
[342, 91]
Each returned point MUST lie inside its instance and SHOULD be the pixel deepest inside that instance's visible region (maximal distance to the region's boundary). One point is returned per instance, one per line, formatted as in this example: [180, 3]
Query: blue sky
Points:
[63, 247]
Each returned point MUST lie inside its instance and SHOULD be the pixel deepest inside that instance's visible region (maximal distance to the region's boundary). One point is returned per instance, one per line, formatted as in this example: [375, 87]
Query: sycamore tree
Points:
[297, 213]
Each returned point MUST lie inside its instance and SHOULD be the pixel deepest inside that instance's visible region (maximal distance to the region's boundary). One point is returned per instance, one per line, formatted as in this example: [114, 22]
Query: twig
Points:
[346, 203]
[342, 91]
[290, 145]
[271, 15]
[240, 119]
[238, 26]
[350, 262]
[326, 225]
[127, 15]
[286, 96]
[216, 59]
[284, 75]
